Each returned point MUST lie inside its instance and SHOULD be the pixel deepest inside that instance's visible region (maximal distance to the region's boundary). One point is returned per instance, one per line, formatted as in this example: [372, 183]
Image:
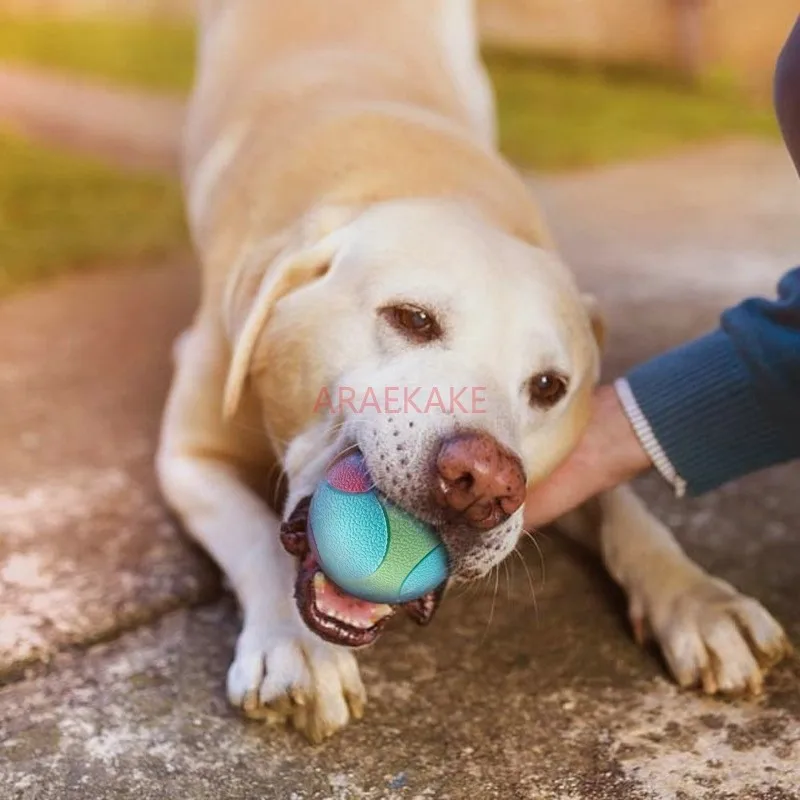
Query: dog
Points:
[358, 230]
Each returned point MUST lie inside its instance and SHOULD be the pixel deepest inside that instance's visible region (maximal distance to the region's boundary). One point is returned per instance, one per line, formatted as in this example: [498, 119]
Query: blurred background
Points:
[88, 177]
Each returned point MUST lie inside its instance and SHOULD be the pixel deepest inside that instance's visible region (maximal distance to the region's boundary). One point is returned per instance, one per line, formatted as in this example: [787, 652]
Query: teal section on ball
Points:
[427, 575]
[350, 534]
[372, 549]
[411, 542]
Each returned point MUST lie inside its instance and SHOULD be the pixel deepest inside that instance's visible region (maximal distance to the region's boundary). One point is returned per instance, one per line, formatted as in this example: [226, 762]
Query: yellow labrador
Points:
[360, 237]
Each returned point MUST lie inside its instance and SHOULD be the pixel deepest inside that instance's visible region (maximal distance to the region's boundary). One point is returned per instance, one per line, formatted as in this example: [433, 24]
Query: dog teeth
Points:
[377, 612]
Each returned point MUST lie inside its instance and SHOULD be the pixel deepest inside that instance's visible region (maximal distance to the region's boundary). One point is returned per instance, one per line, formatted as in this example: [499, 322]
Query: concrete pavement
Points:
[87, 548]
[501, 697]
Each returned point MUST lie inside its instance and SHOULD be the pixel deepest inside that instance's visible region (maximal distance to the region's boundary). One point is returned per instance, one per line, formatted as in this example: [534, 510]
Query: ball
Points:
[366, 545]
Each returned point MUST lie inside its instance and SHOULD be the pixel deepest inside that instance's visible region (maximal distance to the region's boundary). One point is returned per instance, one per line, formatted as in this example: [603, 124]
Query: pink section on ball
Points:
[350, 475]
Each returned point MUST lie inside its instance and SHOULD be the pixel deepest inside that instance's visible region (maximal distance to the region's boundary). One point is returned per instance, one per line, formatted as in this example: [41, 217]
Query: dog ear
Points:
[267, 274]
[596, 319]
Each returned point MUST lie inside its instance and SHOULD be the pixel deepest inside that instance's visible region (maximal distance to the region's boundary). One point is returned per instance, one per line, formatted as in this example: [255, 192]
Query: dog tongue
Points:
[333, 602]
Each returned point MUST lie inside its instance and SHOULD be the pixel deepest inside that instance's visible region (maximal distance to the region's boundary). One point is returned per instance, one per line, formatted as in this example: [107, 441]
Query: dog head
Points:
[458, 359]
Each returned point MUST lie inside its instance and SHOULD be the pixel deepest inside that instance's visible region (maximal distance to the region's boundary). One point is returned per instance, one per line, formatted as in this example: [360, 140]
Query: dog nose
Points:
[478, 481]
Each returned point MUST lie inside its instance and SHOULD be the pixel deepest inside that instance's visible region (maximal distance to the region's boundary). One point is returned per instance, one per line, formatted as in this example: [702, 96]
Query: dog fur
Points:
[339, 157]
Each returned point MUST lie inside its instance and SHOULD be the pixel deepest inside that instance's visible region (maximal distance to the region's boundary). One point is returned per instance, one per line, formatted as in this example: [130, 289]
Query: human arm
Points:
[711, 410]
[715, 409]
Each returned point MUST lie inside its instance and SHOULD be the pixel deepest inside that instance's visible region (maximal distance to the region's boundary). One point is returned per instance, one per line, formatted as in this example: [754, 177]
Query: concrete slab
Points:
[87, 548]
[490, 702]
[672, 240]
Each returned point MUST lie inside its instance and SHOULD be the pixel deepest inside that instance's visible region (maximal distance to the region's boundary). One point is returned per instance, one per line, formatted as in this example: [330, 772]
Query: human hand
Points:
[608, 454]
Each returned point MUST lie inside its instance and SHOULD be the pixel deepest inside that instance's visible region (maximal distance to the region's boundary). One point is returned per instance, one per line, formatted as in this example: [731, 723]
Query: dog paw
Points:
[291, 677]
[711, 635]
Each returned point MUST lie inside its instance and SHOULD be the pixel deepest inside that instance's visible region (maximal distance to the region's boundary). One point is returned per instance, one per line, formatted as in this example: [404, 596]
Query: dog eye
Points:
[413, 322]
[546, 388]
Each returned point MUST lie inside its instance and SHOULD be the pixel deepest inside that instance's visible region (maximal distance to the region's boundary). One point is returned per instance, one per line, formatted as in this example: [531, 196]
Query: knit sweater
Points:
[728, 404]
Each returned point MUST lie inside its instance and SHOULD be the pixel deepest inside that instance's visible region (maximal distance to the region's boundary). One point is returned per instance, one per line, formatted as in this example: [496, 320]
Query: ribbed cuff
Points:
[701, 407]
[647, 439]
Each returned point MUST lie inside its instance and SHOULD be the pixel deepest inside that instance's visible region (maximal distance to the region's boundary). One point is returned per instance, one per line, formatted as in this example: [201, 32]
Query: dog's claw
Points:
[423, 609]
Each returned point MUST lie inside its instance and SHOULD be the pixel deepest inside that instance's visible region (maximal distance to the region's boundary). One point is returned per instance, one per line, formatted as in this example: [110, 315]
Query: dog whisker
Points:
[243, 426]
[538, 532]
[282, 477]
[496, 571]
[508, 580]
[539, 551]
[349, 449]
[530, 583]
[467, 588]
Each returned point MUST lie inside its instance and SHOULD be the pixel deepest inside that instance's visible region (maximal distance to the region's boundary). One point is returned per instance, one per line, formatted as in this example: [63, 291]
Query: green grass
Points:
[148, 54]
[558, 115]
[553, 114]
[59, 213]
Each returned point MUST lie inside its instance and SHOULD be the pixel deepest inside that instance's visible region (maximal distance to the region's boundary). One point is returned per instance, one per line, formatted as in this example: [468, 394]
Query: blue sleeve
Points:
[728, 404]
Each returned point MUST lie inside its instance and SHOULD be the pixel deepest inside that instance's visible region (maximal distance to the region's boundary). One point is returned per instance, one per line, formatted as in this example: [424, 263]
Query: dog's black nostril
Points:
[465, 482]
[410, 424]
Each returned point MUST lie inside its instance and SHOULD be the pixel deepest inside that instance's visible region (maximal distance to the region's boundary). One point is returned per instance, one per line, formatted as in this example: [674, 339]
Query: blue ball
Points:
[366, 545]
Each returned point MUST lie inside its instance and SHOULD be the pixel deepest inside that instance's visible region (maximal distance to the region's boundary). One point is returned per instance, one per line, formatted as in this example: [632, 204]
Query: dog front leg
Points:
[281, 670]
[709, 633]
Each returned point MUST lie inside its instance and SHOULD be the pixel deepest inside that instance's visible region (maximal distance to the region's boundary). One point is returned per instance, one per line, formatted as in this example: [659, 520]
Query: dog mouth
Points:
[330, 612]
